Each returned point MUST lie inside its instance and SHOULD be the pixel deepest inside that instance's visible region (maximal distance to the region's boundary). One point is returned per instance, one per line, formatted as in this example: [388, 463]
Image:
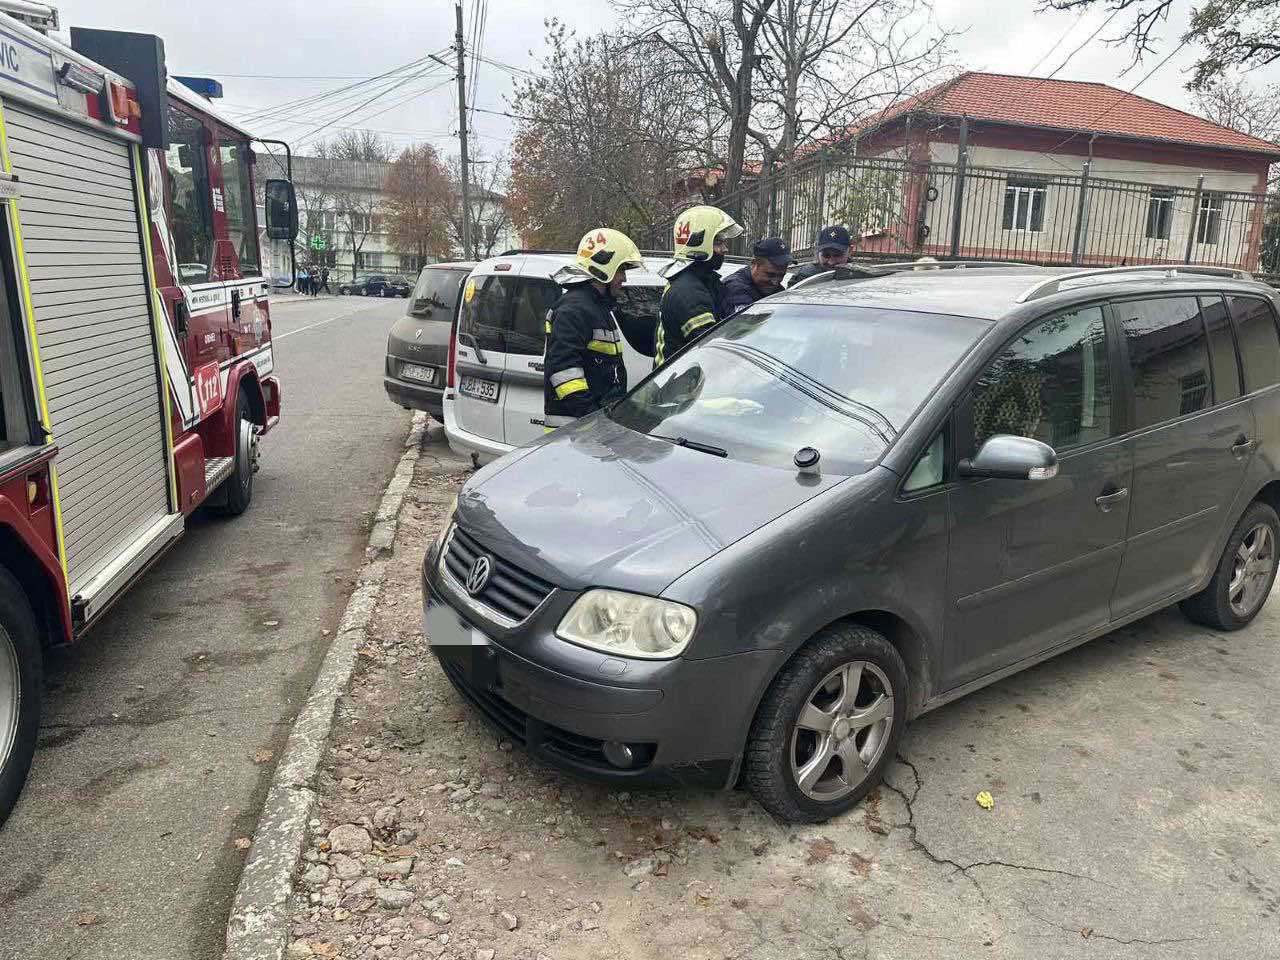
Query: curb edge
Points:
[256, 928]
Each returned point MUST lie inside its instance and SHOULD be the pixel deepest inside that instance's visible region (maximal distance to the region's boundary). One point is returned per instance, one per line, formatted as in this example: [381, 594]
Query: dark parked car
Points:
[378, 285]
[855, 502]
[418, 345]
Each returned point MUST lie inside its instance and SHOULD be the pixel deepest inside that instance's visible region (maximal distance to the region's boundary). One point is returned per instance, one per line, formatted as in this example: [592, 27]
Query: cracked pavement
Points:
[1137, 806]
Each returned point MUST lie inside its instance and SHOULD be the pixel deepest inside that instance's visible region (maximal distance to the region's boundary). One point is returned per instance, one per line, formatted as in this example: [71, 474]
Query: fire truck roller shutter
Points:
[84, 256]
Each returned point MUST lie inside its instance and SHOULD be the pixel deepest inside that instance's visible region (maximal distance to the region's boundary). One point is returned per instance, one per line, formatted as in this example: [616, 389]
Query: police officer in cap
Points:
[693, 299]
[831, 251]
[582, 366]
[761, 277]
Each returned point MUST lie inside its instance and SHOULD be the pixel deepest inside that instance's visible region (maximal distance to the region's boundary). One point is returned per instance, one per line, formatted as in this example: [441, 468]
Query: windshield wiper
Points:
[693, 445]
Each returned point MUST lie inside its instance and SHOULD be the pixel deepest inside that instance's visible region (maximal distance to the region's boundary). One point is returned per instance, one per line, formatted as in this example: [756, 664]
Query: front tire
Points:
[828, 726]
[1245, 574]
[239, 485]
[21, 678]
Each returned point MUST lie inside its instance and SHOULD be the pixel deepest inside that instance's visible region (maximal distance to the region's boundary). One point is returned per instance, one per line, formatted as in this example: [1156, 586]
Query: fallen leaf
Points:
[87, 919]
[985, 800]
[323, 949]
[243, 843]
[702, 899]
[820, 850]
[860, 864]
[1086, 932]
[262, 756]
[660, 870]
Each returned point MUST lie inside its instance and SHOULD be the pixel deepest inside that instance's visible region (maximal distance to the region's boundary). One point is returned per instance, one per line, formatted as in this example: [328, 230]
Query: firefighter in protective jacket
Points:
[583, 368]
[693, 299]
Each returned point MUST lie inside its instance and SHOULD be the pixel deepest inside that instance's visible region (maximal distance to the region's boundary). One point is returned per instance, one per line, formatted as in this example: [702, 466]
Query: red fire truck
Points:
[136, 371]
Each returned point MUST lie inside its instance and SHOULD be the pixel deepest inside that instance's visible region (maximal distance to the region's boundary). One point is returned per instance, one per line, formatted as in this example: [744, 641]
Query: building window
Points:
[1024, 205]
[1209, 217]
[1159, 213]
[330, 221]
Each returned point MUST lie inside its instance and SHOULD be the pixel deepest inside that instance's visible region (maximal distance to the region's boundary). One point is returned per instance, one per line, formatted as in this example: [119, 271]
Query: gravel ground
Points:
[1130, 820]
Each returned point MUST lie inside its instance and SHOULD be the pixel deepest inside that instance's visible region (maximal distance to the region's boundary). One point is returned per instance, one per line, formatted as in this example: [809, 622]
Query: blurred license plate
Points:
[444, 628]
[411, 371]
[486, 390]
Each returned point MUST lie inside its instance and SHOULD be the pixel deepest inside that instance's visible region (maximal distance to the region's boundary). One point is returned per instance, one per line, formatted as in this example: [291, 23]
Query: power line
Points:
[320, 110]
[335, 92]
[360, 106]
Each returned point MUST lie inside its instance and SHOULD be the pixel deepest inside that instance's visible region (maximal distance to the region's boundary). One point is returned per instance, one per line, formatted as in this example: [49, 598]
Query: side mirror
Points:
[1005, 457]
[282, 210]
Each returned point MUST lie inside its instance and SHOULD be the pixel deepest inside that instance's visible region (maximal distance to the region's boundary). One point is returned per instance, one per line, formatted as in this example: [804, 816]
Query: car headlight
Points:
[628, 624]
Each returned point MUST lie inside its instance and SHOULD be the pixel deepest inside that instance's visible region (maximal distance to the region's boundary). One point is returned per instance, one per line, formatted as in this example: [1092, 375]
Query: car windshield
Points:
[765, 383]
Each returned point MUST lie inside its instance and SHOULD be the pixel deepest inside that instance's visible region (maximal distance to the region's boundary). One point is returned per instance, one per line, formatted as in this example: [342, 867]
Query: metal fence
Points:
[902, 209]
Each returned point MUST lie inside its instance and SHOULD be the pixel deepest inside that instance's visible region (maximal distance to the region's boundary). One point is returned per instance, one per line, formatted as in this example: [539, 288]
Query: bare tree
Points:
[1229, 33]
[356, 164]
[1235, 103]
[606, 129]
[490, 216]
[721, 61]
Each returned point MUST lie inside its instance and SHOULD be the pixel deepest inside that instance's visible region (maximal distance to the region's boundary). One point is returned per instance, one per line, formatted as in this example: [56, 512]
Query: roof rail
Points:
[865, 269]
[1170, 270]
[729, 258]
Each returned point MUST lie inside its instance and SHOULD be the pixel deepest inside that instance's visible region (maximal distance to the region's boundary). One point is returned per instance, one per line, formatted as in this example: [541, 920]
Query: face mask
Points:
[716, 261]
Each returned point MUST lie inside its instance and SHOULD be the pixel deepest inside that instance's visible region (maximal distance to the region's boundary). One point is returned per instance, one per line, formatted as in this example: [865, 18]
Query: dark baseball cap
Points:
[773, 250]
[834, 237]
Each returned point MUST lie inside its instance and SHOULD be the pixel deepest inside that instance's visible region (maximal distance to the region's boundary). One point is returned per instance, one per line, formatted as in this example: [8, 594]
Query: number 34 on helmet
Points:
[603, 252]
[698, 229]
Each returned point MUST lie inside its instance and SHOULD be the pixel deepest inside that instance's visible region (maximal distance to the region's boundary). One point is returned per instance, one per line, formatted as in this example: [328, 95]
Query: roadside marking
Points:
[319, 323]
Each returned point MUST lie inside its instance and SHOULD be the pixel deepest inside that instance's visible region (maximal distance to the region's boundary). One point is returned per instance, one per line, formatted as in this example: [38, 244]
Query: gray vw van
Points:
[855, 502]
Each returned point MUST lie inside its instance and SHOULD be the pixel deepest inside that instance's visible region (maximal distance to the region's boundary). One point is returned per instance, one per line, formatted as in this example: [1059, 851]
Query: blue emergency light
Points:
[207, 87]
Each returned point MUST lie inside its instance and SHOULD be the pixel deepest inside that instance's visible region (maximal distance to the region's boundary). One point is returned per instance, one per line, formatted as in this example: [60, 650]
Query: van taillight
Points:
[453, 355]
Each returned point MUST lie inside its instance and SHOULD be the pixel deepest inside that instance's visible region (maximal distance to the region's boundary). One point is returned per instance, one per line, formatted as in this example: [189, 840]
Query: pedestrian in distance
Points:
[582, 364]
[770, 258]
[324, 280]
[304, 281]
[693, 299]
[830, 251]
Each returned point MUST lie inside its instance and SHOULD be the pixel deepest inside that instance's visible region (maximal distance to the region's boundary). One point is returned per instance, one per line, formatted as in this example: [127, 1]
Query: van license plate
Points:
[480, 389]
[444, 628]
[412, 371]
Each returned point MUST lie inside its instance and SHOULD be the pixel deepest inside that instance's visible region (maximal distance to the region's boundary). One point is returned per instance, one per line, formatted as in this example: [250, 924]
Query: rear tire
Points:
[828, 725]
[239, 486]
[21, 680]
[1246, 571]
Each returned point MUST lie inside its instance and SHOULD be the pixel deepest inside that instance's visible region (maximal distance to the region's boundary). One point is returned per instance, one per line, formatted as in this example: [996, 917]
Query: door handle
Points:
[1109, 500]
[1242, 447]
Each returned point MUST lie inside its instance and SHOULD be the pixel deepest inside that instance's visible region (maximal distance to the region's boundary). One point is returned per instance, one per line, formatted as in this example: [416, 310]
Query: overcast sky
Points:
[308, 47]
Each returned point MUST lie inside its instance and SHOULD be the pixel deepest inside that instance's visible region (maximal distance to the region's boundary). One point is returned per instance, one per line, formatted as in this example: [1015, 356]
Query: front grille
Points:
[510, 591]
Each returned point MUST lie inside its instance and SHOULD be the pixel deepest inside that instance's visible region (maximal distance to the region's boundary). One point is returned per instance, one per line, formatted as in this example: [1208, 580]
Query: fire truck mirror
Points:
[282, 210]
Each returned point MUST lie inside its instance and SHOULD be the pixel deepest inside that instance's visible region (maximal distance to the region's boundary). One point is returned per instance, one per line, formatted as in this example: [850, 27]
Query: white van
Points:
[493, 402]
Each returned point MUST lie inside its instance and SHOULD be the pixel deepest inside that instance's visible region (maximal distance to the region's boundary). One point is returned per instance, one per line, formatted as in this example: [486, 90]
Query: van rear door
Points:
[523, 406]
[483, 326]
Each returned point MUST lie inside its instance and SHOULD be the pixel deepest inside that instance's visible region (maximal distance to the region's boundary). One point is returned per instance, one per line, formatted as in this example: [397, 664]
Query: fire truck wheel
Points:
[240, 483]
[21, 665]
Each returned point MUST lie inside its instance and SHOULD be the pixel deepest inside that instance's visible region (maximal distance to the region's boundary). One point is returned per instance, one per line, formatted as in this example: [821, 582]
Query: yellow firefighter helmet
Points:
[698, 228]
[603, 252]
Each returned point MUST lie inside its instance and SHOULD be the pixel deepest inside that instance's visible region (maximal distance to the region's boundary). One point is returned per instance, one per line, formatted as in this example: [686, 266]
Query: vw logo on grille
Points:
[478, 578]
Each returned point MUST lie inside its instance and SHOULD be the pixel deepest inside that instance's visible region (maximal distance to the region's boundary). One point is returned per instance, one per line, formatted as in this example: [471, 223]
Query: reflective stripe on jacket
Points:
[582, 365]
[692, 301]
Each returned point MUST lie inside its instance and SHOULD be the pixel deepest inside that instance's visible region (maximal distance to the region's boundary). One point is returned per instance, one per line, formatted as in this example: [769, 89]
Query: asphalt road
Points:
[149, 766]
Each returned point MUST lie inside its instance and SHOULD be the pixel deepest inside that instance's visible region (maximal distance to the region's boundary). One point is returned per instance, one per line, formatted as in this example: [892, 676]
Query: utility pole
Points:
[462, 138]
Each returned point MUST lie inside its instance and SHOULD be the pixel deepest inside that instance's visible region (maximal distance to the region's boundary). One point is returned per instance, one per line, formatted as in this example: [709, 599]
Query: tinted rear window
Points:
[435, 296]
[1168, 356]
[1259, 347]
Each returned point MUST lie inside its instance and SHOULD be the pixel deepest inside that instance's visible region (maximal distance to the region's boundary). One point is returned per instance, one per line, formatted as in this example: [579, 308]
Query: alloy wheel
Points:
[841, 731]
[10, 696]
[1252, 572]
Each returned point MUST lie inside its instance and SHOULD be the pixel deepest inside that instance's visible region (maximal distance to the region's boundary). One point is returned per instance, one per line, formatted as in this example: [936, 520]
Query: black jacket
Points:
[693, 300]
[582, 368]
[740, 290]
